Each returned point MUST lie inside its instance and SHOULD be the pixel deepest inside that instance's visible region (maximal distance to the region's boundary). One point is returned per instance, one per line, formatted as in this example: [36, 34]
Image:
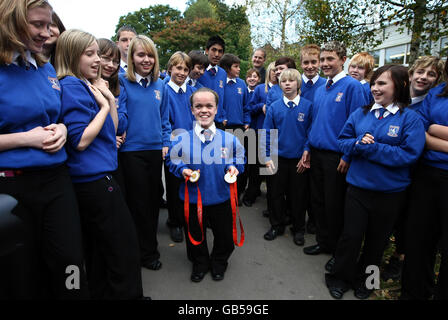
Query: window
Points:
[395, 55]
[376, 57]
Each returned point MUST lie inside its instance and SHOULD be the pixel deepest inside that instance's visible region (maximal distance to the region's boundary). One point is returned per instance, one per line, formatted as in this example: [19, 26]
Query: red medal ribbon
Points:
[235, 211]
[187, 213]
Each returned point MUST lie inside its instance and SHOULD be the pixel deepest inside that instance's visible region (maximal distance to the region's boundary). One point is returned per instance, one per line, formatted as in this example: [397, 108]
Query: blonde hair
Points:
[291, 74]
[14, 28]
[311, 50]
[268, 76]
[147, 45]
[429, 61]
[69, 49]
[177, 58]
[364, 59]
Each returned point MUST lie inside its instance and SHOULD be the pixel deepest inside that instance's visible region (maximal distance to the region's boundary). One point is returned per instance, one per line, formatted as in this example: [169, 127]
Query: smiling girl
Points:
[90, 113]
[147, 141]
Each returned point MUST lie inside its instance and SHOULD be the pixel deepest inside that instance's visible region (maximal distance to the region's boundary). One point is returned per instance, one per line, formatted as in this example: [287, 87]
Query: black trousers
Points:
[370, 217]
[175, 210]
[328, 189]
[142, 172]
[286, 182]
[48, 208]
[253, 176]
[426, 227]
[219, 217]
[110, 241]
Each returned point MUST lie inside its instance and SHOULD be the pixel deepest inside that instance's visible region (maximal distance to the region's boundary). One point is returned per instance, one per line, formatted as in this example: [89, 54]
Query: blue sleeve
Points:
[357, 98]
[122, 112]
[408, 152]
[424, 112]
[76, 113]
[165, 118]
[268, 124]
[238, 156]
[255, 107]
[176, 164]
[306, 146]
[269, 98]
[347, 138]
[246, 108]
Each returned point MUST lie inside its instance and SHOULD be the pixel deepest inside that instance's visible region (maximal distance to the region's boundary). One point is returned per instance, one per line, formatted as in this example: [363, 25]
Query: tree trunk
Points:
[417, 29]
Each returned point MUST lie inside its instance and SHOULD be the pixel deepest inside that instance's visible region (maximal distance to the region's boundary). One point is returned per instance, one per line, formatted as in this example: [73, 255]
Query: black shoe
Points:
[337, 292]
[217, 276]
[314, 250]
[154, 265]
[329, 266]
[299, 238]
[362, 292]
[273, 233]
[197, 276]
[163, 204]
[392, 270]
[247, 202]
[266, 213]
[176, 234]
[310, 228]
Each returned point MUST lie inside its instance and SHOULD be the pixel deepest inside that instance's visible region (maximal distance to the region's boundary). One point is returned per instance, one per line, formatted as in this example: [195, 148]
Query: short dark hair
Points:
[198, 57]
[216, 40]
[400, 78]
[125, 28]
[262, 50]
[204, 89]
[252, 70]
[286, 60]
[228, 60]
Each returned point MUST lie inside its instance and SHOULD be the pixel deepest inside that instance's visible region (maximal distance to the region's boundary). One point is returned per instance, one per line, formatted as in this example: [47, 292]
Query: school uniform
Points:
[123, 67]
[427, 222]
[40, 182]
[193, 83]
[367, 90]
[292, 119]
[274, 94]
[214, 78]
[177, 100]
[256, 103]
[417, 102]
[112, 255]
[213, 158]
[333, 103]
[141, 156]
[378, 176]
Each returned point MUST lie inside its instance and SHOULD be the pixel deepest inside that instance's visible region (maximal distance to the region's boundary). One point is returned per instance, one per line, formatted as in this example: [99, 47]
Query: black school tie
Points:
[144, 82]
[213, 71]
[207, 135]
[329, 83]
[381, 114]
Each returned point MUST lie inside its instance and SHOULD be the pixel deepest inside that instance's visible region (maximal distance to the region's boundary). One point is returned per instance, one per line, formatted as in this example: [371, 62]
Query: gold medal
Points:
[230, 178]
[195, 176]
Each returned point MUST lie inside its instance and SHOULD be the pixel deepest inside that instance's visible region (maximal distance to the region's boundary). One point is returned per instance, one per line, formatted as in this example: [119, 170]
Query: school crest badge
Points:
[240, 91]
[339, 97]
[393, 131]
[301, 117]
[221, 84]
[224, 152]
[54, 83]
[157, 94]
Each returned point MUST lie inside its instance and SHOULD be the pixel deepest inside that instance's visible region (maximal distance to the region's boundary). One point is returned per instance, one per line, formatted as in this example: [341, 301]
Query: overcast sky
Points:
[99, 17]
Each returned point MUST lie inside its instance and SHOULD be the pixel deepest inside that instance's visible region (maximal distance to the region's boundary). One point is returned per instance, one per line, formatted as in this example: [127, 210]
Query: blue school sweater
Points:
[331, 108]
[235, 103]
[148, 118]
[213, 159]
[28, 99]
[308, 91]
[386, 164]
[179, 108]
[274, 94]
[293, 125]
[79, 108]
[434, 110]
[216, 83]
[122, 115]
[368, 92]
[256, 103]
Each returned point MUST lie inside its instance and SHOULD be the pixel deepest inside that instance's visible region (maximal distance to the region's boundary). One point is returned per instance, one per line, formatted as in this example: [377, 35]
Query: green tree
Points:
[149, 21]
[200, 9]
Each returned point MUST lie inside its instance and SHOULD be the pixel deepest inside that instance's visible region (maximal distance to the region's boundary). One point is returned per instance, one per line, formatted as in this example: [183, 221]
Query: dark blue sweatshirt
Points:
[236, 103]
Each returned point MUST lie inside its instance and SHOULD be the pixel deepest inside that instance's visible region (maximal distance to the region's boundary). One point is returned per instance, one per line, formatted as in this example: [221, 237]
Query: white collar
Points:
[139, 77]
[306, 79]
[29, 59]
[392, 108]
[270, 84]
[363, 81]
[176, 88]
[198, 131]
[193, 81]
[229, 79]
[296, 100]
[417, 99]
[250, 90]
[338, 77]
[210, 66]
[124, 65]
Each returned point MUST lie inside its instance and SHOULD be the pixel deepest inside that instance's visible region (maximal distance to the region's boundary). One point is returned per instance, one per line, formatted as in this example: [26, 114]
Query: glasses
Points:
[106, 59]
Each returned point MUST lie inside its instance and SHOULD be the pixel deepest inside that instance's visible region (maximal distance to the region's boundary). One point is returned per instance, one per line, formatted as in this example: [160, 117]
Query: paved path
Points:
[260, 270]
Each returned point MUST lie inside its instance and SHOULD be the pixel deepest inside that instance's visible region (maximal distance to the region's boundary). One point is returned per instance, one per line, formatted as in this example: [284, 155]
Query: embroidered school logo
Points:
[240, 91]
[157, 93]
[221, 84]
[393, 131]
[54, 83]
[224, 152]
[301, 117]
[339, 97]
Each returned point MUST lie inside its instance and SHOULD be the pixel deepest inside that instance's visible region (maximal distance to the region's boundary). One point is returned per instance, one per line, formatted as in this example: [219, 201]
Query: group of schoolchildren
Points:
[83, 142]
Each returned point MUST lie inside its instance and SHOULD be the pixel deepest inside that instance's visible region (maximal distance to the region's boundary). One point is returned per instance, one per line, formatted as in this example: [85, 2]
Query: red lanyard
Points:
[235, 211]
